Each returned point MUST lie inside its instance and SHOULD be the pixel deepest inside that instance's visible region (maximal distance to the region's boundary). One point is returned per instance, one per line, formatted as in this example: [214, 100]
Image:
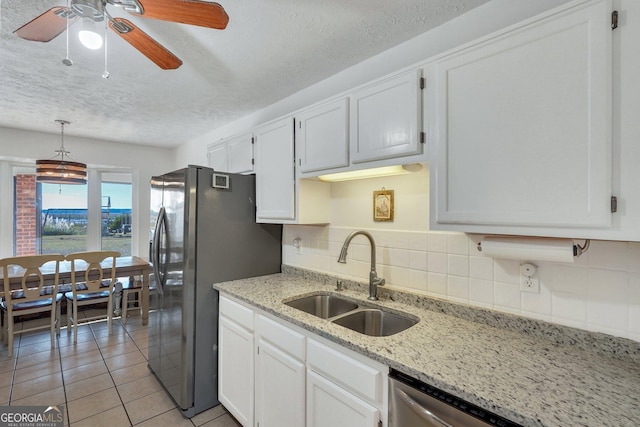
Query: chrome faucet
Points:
[374, 280]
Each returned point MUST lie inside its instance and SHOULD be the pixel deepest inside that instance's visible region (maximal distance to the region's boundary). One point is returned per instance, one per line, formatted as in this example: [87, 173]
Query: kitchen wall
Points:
[599, 292]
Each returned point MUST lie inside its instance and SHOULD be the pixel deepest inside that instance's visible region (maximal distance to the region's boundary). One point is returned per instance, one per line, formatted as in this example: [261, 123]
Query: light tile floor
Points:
[103, 380]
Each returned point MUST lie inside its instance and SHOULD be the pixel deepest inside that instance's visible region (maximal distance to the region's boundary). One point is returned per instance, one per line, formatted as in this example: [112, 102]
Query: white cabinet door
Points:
[217, 156]
[386, 119]
[240, 154]
[329, 405]
[523, 127]
[275, 176]
[280, 388]
[236, 364]
[322, 136]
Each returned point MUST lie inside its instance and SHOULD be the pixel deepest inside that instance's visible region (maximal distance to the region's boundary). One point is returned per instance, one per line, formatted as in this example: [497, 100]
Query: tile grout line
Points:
[109, 371]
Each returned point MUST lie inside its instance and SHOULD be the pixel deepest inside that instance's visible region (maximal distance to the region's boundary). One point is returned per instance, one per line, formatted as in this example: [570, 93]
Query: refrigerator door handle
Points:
[159, 229]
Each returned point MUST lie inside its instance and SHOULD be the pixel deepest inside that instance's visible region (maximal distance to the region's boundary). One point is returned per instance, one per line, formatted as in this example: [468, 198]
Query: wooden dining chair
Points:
[34, 294]
[91, 283]
[130, 286]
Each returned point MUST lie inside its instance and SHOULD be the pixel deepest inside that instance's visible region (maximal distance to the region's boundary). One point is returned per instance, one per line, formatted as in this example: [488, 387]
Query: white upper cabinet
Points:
[232, 155]
[240, 154]
[275, 176]
[280, 198]
[386, 118]
[322, 136]
[522, 127]
[217, 156]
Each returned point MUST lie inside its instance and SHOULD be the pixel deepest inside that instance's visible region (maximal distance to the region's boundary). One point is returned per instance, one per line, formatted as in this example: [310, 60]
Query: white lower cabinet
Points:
[236, 361]
[274, 374]
[280, 376]
[329, 405]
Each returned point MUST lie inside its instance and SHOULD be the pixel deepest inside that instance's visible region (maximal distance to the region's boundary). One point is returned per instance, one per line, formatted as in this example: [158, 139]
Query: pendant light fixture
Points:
[59, 170]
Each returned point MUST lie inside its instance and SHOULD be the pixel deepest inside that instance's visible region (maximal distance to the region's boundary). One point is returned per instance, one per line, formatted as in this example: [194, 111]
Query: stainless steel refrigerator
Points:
[204, 231]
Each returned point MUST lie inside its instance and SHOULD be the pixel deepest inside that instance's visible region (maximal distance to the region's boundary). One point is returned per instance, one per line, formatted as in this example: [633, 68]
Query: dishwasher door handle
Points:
[421, 411]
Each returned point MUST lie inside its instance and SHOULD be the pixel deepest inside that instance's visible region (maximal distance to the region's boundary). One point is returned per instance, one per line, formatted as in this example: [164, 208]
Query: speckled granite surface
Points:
[529, 376]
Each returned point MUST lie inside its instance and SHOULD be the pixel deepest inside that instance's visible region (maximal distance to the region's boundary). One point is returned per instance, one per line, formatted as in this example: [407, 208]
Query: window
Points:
[63, 218]
[52, 218]
[116, 225]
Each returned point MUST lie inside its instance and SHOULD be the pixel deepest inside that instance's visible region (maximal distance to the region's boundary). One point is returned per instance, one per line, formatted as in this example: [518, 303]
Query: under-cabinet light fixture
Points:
[371, 173]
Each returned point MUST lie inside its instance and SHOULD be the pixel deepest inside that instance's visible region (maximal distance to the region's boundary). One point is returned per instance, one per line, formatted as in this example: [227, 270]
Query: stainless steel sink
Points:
[323, 306]
[375, 322]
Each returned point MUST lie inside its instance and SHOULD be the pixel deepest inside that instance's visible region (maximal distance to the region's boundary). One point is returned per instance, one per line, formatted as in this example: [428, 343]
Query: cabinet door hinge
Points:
[614, 204]
[253, 140]
[379, 423]
[253, 161]
[258, 349]
[423, 138]
[614, 19]
[422, 82]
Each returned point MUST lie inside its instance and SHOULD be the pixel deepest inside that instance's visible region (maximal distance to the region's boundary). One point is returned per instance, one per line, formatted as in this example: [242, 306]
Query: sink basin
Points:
[375, 322]
[323, 306]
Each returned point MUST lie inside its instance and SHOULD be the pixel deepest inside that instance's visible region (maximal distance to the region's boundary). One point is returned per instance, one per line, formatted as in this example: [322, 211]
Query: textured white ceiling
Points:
[270, 50]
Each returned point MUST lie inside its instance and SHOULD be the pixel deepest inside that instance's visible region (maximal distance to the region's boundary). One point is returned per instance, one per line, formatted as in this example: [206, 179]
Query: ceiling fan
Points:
[54, 21]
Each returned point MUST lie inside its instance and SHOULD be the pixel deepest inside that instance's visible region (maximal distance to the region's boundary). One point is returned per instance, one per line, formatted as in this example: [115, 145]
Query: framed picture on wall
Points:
[383, 205]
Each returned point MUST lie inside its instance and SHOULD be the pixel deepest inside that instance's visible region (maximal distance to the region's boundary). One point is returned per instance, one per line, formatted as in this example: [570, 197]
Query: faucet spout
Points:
[374, 280]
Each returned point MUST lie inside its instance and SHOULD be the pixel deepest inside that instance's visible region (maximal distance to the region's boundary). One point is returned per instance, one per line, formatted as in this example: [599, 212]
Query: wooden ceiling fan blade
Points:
[193, 12]
[150, 48]
[47, 26]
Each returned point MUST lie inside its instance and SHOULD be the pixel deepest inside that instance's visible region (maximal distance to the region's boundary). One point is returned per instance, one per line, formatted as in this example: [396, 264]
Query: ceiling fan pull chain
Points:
[67, 61]
[105, 74]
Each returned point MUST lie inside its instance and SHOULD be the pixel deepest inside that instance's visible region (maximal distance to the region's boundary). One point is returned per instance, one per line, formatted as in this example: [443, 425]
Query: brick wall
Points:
[26, 220]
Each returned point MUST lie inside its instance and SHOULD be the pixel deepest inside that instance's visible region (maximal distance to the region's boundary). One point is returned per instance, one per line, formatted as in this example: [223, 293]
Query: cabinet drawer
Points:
[281, 336]
[236, 312]
[351, 374]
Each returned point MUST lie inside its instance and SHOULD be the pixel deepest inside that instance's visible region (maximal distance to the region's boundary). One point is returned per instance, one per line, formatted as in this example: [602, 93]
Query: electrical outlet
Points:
[529, 284]
[297, 243]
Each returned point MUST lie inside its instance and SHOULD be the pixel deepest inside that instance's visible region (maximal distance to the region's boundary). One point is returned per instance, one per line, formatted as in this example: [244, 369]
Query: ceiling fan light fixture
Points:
[89, 36]
[59, 170]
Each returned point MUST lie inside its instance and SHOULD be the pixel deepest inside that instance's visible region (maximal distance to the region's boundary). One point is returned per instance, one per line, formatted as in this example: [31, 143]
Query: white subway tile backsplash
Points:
[599, 292]
[437, 262]
[458, 265]
[608, 255]
[397, 258]
[507, 296]
[481, 267]
[418, 260]
[481, 292]
[437, 242]
[458, 243]
[418, 280]
[634, 257]
[567, 278]
[568, 306]
[458, 287]
[437, 284]
[506, 271]
[397, 276]
[539, 303]
[418, 241]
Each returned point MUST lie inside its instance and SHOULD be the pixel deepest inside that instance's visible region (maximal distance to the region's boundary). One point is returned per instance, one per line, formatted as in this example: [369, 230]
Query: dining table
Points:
[126, 266]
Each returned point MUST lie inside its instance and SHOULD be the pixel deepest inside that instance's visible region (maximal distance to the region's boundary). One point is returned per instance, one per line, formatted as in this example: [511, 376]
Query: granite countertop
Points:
[529, 377]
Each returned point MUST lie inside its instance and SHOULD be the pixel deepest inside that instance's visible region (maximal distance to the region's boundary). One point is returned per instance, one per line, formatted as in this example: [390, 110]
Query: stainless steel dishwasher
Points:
[413, 403]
